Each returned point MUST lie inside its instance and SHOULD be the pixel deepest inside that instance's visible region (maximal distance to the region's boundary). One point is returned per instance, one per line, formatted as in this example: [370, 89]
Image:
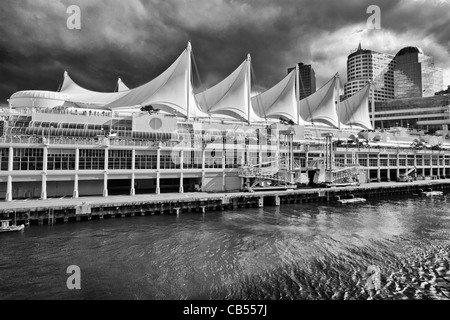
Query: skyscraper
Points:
[415, 74]
[364, 66]
[307, 80]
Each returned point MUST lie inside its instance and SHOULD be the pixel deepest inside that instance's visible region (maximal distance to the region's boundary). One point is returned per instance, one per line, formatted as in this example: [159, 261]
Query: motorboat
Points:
[5, 227]
[350, 199]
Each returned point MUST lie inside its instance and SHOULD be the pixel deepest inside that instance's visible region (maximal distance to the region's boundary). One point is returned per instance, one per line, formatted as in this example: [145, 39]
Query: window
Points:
[362, 162]
[146, 160]
[92, 159]
[4, 153]
[28, 159]
[61, 159]
[119, 159]
[169, 160]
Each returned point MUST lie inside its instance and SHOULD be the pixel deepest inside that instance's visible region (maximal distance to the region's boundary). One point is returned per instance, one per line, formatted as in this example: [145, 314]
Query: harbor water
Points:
[302, 251]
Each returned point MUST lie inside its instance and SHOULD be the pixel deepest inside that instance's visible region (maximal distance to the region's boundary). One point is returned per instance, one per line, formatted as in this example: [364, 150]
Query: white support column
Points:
[181, 190]
[398, 165]
[9, 188]
[133, 177]
[77, 167]
[105, 184]
[203, 169]
[158, 167]
[224, 179]
[44, 174]
[431, 165]
[378, 168]
[10, 169]
[75, 186]
[105, 174]
[415, 166]
[44, 187]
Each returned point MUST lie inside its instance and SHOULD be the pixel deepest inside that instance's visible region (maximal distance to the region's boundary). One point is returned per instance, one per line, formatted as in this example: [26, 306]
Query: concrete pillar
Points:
[106, 159]
[75, 186]
[10, 169]
[44, 187]
[261, 202]
[77, 167]
[398, 165]
[77, 159]
[132, 190]
[10, 159]
[378, 168]
[133, 167]
[44, 175]
[158, 188]
[223, 180]
[203, 159]
[45, 160]
[181, 190]
[105, 184]
[277, 200]
[158, 167]
[9, 188]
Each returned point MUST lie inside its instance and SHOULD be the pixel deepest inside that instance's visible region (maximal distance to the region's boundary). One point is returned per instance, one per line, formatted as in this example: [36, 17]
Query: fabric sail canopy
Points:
[231, 96]
[168, 92]
[121, 86]
[354, 111]
[321, 106]
[278, 101]
[70, 87]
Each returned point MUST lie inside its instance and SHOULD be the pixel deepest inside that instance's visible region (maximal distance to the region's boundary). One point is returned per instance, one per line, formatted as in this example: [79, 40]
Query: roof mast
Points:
[249, 102]
[188, 80]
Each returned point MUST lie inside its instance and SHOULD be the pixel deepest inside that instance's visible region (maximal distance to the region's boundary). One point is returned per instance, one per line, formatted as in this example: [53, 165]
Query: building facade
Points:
[427, 113]
[307, 80]
[364, 66]
[415, 74]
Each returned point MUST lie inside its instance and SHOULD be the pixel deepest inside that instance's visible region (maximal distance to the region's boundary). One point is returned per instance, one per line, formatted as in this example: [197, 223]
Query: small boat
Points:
[350, 199]
[5, 227]
[431, 193]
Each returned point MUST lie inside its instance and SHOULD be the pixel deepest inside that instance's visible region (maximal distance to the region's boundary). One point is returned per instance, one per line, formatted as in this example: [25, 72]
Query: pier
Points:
[63, 210]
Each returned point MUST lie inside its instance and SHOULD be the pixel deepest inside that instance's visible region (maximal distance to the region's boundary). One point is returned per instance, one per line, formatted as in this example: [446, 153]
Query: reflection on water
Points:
[305, 251]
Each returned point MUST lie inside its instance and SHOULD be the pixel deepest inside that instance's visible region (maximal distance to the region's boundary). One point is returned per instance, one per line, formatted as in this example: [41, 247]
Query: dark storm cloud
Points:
[137, 40]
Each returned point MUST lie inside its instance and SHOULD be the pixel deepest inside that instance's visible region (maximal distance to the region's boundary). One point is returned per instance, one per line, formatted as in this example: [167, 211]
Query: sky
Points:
[136, 40]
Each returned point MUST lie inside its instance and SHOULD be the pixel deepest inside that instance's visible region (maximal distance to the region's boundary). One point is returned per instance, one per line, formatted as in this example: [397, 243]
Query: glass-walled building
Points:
[428, 113]
[415, 74]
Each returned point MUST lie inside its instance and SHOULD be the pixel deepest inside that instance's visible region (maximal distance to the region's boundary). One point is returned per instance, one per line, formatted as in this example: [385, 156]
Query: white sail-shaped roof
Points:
[321, 105]
[171, 91]
[229, 97]
[69, 86]
[121, 86]
[84, 97]
[354, 111]
[278, 101]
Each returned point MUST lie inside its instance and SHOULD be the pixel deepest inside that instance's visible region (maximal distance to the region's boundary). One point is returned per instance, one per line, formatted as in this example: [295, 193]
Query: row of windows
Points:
[4, 154]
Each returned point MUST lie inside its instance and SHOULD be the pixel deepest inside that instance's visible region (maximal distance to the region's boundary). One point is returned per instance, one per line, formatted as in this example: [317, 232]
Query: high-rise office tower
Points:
[307, 80]
[364, 66]
[415, 74]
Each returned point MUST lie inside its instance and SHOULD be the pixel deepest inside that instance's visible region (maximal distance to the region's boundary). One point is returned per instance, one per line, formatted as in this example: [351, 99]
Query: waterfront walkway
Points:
[34, 204]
